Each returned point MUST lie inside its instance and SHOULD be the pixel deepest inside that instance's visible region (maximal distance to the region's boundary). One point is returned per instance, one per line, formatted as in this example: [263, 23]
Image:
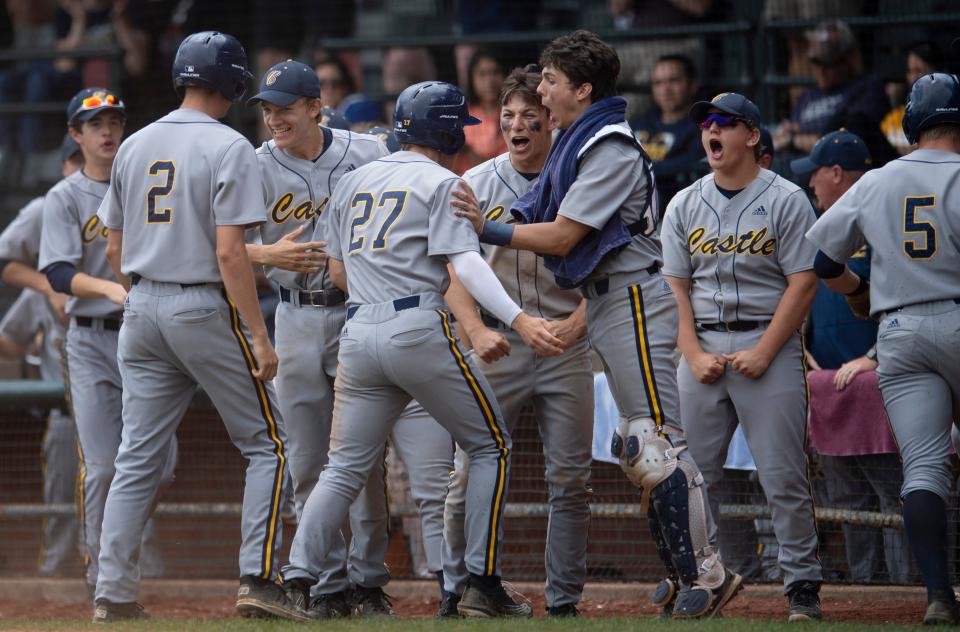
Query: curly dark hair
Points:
[585, 58]
[522, 82]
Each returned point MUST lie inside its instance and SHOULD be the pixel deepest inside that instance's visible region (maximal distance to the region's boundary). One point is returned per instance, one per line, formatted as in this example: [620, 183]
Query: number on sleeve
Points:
[911, 225]
[164, 215]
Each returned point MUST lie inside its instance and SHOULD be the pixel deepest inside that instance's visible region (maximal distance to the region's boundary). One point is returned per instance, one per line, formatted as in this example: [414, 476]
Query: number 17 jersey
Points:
[909, 213]
[172, 184]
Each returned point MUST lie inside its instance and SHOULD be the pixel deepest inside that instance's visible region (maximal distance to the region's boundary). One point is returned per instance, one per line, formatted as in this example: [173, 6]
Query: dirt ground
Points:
[873, 605]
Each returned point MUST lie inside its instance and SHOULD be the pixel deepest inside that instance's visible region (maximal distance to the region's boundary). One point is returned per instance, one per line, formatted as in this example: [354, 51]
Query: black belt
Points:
[317, 298]
[602, 286]
[492, 321]
[737, 325]
[400, 304]
[136, 278]
[109, 324]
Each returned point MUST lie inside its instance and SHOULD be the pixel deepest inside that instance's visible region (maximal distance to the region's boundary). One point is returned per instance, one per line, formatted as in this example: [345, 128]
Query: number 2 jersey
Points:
[392, 225]
[173, 183]
[908, 211]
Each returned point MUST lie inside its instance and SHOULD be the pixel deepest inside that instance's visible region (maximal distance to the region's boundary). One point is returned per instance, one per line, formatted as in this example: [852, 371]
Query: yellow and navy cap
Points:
[842, 148]
[286, 82]
[91, 101]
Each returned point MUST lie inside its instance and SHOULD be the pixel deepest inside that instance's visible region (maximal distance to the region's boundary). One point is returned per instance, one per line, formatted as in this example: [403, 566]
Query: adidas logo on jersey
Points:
[350, 168]
[760, 211]
[894, 323]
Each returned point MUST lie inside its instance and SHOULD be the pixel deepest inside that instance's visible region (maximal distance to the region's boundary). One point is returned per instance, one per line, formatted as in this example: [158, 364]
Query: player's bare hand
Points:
[58, 303]
[849, 370]
[570, 329]
[467, 205]
[288, 254]
[538, 334]
[115, 293]
[752, 363]
[707, 367]
[266, 358]
[489, 345]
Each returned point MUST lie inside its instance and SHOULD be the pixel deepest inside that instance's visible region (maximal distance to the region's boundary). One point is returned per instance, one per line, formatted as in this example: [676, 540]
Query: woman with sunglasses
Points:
[742, 271]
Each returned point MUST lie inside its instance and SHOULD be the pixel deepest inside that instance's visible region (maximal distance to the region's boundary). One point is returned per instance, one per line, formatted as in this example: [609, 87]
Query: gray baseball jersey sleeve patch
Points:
[737, 252]
[527, 281]
[379, 213]
[903, 210]
[72, 233]
[615, 177]
[297, 191]
[20, 240]
[159, 208]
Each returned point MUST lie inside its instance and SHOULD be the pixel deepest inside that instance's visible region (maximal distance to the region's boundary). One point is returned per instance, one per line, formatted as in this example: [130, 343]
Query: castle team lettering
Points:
[746, 243]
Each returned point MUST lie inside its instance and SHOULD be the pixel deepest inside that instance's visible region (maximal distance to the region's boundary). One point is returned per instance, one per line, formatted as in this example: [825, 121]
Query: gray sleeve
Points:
[605, 180]
[677, 261]
[796, 253]
[111, 208]
[328, 229]
[22, 321]
[20, 240]
[837, 232]
[448, 234]
[238, 190]
[60, 239]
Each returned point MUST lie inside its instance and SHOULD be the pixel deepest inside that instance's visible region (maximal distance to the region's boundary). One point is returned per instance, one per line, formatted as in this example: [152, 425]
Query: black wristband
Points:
[861, 288]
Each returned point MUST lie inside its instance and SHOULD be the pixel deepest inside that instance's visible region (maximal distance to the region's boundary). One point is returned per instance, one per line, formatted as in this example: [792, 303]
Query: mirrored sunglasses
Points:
[722, 120]
[99, 100]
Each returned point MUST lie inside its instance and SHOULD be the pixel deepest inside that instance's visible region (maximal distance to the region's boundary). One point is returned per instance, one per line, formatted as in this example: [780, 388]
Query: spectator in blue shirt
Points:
[670, 138]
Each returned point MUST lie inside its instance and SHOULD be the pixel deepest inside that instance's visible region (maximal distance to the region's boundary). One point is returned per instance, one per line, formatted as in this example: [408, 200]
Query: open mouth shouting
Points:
[716, 149]
[520, 143]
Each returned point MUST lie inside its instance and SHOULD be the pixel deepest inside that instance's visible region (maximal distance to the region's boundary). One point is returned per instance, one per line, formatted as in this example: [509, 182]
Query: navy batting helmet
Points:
[212, 60]
[432, 114]
[934, 99]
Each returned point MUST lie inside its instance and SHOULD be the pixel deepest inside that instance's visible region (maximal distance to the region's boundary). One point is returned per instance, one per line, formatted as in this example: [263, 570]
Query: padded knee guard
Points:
[646, 457]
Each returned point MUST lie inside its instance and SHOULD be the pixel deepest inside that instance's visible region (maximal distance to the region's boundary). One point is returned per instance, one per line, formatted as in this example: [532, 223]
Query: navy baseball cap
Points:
[841, 148]
[728, 103]
[68, 148]
[286, 82]
[766, 140]
[362, 111]
[333, 119]
[91, 101]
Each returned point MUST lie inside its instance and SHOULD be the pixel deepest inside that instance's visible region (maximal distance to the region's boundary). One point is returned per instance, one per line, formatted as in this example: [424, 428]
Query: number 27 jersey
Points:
[173, 183]
[909, 213]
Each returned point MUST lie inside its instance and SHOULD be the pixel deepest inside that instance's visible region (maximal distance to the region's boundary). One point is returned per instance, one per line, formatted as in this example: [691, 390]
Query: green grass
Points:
[429, 625]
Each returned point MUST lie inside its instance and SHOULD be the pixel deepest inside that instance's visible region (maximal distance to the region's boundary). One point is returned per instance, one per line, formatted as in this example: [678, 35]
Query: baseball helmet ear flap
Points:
[432, 114]
[212, 60]
[934, 99]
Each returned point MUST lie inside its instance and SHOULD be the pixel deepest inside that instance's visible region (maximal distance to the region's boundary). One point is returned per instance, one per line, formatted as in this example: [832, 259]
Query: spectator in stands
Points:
[844, 96]
[922, 59]
[669, 137]
[839, 340]
[485, 76]
[336, 82]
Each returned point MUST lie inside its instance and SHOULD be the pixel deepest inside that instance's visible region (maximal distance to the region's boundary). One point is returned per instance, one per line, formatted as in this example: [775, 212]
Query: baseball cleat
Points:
[942, 611]
[567, 610]
[804, 602]
[485, 597]
[696, 602]
[371, 602]
[263, 598]
[105, 611]
[331, 606]
[448, 606]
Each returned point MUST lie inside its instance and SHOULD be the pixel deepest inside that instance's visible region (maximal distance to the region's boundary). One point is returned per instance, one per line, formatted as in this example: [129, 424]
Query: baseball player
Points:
[390, 236]
[593, 216]
[41, 308]
[906, 212]
[300, 167]
[72, 245]
[561, 388]
[735, 256]
[183, 190]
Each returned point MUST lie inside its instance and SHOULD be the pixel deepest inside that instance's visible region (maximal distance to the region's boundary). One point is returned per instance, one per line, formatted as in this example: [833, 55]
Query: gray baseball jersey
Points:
[148, 189]
[364, 223]
[615, 178]
[72, 233]
[20, 240]
[903, 211]
[296, 192]
[174, 182]
[737, 252]
[527, 281]
[29, 314]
